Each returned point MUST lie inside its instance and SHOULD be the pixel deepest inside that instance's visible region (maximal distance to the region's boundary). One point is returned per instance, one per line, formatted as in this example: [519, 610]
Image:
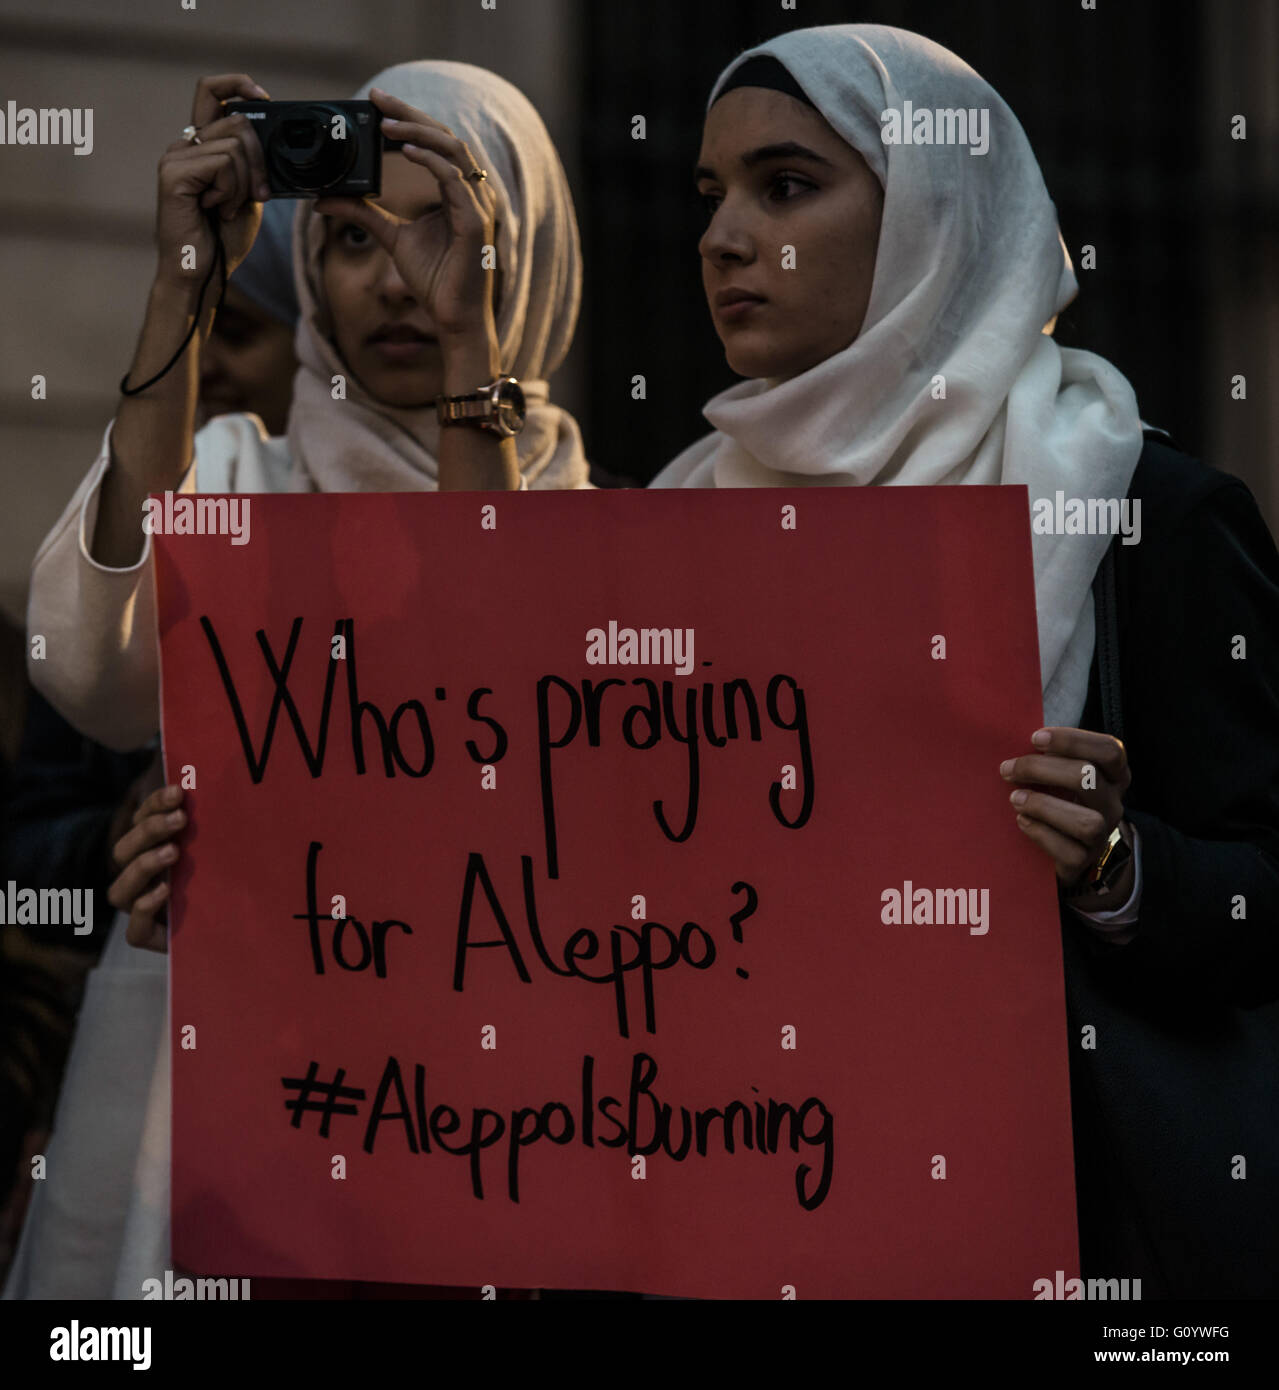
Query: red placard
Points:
[499, 958]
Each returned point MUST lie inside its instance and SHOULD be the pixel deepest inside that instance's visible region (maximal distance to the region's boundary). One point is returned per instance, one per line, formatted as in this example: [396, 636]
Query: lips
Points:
[726, 298]
[400, 333]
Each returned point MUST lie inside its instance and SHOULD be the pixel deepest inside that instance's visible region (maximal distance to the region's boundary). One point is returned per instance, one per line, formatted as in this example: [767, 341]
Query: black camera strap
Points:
[219, 260]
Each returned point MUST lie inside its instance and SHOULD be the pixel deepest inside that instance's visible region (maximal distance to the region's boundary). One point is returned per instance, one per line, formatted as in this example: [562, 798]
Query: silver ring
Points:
[190, 135]
[477, 175]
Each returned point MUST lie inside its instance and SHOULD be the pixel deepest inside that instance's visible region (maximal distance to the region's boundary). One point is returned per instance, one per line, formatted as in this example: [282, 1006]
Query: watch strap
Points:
[483, 407]
[475, 406]
[1104, 872]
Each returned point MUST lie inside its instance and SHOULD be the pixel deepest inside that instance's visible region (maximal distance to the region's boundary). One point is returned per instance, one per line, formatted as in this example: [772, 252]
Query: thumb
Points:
[375, 220]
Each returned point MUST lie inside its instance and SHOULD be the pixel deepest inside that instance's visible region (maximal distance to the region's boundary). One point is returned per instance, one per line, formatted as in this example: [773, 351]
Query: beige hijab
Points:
[360, 445]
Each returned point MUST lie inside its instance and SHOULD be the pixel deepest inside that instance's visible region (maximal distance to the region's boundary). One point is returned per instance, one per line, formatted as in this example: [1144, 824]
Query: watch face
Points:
[509, 405]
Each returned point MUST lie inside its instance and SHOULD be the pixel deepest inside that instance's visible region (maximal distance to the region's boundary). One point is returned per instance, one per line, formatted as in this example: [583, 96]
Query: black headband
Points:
[765, 71]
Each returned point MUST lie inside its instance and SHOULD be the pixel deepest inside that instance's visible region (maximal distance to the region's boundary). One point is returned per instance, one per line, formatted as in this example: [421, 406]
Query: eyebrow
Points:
[787, 149]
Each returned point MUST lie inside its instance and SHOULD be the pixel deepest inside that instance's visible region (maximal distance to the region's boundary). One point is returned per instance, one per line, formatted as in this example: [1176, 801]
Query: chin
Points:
[754, 354]
[753, 364]
[401, 389]
[410, 397]
[764, 364]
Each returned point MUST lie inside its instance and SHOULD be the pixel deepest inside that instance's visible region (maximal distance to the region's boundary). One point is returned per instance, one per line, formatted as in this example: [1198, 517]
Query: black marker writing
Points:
[565, 710]
[645, 950]
[649, 1124]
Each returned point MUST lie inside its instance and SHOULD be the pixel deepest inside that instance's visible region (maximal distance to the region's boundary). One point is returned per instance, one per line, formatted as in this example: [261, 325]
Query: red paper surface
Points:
[910, 1041]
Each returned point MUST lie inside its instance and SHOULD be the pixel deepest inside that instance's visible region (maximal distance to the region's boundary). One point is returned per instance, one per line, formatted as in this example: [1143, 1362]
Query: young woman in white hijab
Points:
[394, 300]
[919, 262]
[912, 263]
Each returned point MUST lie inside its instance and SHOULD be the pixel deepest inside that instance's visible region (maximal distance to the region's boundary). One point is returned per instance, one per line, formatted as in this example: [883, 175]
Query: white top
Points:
[101, 665]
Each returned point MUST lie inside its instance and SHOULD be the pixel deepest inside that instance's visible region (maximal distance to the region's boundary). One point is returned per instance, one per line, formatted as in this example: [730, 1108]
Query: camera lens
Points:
[313, 149]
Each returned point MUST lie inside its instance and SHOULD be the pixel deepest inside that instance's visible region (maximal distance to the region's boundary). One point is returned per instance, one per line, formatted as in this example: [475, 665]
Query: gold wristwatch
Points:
[498, 407]
[1106, 872]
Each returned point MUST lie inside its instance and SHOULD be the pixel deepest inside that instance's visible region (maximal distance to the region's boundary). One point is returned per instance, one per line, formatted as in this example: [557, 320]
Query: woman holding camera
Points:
[402, 313]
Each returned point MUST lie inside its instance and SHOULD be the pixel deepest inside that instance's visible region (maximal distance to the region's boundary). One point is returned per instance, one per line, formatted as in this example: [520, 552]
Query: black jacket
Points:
[1180, 1097]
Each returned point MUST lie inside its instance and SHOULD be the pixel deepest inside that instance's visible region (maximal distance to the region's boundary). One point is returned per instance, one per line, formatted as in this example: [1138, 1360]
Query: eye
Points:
[353, 236]
[709, 202]
[791, 182]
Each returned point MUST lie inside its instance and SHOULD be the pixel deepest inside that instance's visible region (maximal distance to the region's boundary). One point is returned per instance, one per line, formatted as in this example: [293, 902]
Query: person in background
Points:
[248, 363]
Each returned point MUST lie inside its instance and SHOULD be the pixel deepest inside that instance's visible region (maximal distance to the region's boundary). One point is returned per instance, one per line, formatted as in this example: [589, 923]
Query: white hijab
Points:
[970, 275]
[360, 445]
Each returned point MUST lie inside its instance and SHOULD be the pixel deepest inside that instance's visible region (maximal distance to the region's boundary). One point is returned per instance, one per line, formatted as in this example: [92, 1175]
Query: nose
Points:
[726, 240]
[389, 282]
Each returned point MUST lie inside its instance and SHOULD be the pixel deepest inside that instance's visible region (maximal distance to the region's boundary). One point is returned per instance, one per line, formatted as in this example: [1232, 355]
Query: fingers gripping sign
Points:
[142, 854]
[1071, 798]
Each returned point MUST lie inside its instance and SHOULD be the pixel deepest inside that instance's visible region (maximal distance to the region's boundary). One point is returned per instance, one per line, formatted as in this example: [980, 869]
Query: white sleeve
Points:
[98, 663]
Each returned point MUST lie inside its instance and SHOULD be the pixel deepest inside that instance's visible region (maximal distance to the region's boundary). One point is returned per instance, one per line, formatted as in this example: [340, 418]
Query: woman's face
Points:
[775, 175]
[385, 336]
[247, 363]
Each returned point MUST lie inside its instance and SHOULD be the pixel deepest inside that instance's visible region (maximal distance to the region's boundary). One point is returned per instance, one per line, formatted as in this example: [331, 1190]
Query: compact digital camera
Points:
[319, 149]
